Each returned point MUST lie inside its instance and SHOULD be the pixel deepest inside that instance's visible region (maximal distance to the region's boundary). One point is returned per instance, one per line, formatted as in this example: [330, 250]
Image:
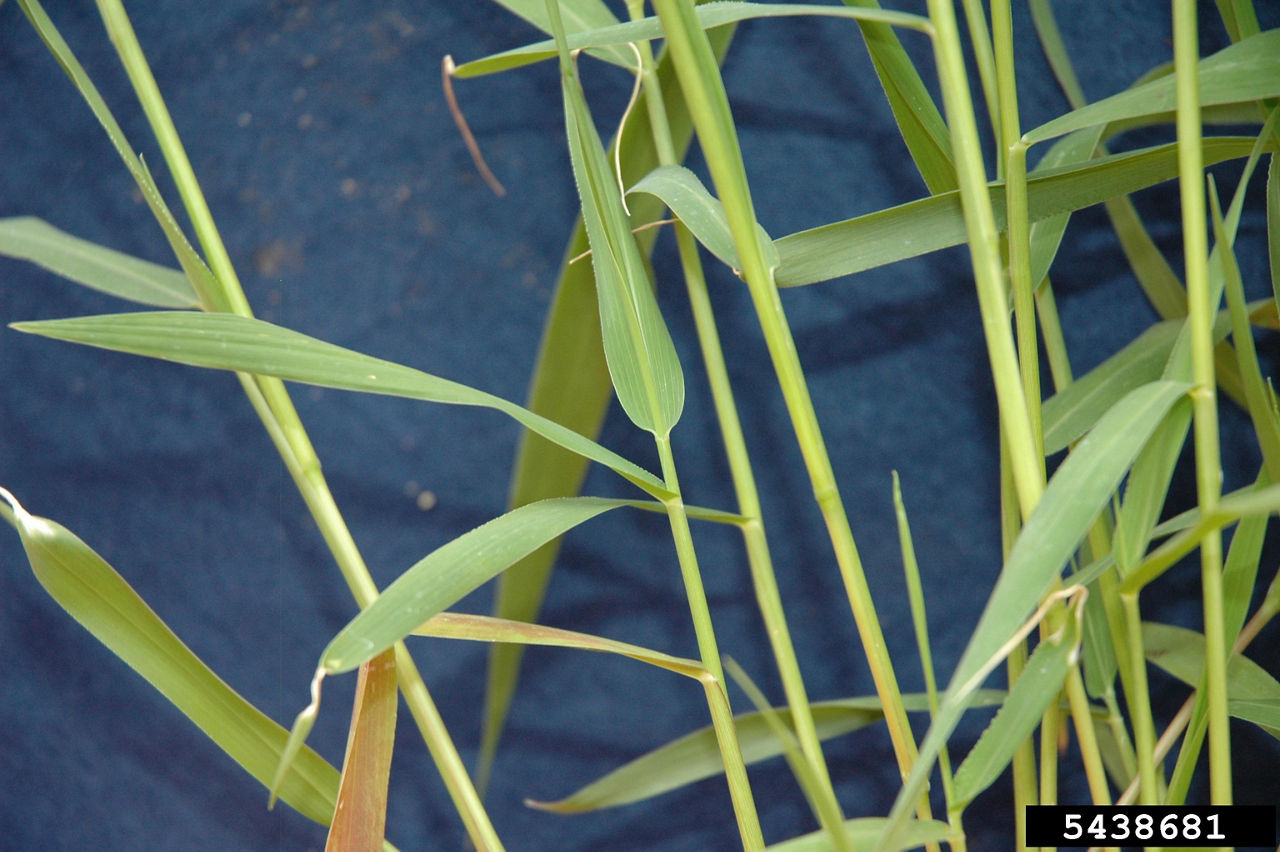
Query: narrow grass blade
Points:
[197, 272]
[865, 832]
[700, 211]
[1264, 714]
[914, 110]
[94, 266]
[1155, 276]
[1056, 52]
[821, 798]
[1273, 224]
[1046, 235]
[931, 224]
[1078, 491]
[579, 16]
[483, 628]
[1148, 488]
[450, 572]
[571, 386]
[1072, 411]
[1248, 70]
[229, 342]
[1036, 688]
[1266, 423]
[710, 15]
[694, 756]
[637, 346]
[1180, 652]
[1240, 572]
[360, 818]
[92, 593]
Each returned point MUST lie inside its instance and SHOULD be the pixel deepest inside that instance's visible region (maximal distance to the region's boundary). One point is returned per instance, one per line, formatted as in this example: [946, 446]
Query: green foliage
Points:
[1090, 530]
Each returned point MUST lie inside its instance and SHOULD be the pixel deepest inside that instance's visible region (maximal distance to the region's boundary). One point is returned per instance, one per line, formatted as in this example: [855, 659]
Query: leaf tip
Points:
[297, 736]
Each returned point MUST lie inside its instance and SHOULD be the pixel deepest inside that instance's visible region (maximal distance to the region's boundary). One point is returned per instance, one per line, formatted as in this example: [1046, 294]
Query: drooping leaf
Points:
[930, 224]
[699, 210]
[571, 386]
[694, 757]
[709, 16]
[90, 590]
[1077, 492]
[450, 572]
[1046, 234]
[1036, 688]
[1254, 694]
[483, 628]
[1248, 70]
[637, 346]
[95, 266]
[229, 342]
[360, 817]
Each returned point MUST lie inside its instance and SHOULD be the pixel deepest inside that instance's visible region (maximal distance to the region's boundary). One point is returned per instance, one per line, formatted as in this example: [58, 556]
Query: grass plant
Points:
[1085, 466]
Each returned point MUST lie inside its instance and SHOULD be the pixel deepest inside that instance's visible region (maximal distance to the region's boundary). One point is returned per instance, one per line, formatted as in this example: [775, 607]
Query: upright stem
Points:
[704, 92]
[1204, 396]
[688, 559]
[271, 401]
[753, 531]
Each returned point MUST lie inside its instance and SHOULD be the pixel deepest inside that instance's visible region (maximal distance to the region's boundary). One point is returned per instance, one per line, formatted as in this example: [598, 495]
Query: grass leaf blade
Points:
[921, 124]
[710, 16]
[698, 209]
[447, 574]
[931, 224]
[95, 266]
[360, 818]
[229, 342]
[1076, 493]
[1248, 70]
[863, 832]
[1038, 685]
[637, 345]
[97, 597]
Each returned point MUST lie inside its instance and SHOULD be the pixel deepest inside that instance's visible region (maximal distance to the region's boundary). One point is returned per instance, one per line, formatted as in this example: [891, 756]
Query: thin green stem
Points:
[920, 621]
[1018, 233]
[1204, 397]
[759, 559]
[704, 92]
[688, 559]
[1082, 714]
[985, 60]
[1138, 694]
[1025, 792]
[274, 407]
[984, 247]
[739, 787]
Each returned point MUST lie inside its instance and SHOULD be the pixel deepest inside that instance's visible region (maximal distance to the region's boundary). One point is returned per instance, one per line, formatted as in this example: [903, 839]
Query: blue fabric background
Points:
[353, 213]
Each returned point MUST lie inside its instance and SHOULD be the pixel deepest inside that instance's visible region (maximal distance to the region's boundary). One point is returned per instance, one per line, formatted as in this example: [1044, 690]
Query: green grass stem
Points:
[704, 91]
[759, 560]
[1144, 730]
[274, 407]
[1204, 396]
